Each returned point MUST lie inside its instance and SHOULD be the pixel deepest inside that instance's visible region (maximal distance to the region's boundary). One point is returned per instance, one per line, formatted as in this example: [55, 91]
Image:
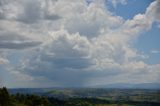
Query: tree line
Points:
[18, 99]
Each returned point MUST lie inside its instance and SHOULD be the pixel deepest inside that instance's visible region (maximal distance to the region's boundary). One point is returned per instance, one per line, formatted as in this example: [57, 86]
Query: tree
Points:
[4, 97]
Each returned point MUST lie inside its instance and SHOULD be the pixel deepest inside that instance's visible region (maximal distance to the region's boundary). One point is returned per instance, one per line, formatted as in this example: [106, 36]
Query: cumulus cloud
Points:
[153, 11]
[85, 44]
[63, 58]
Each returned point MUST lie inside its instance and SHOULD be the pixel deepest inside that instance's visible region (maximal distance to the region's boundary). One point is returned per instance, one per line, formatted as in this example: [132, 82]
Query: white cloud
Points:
[155, 51]
[3, 61]
[158, 26]
[116, 2]
[153, 11]
[85, 43]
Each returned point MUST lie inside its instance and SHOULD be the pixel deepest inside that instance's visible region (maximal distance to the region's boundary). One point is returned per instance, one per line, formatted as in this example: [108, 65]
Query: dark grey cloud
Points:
[10, 40]
[60, 62]
[2, 15]
[18, 44]
[52, 16]
[11, 36]
[27, 11]
[2, 9]
[62, 71]
[68, 62]
[64, 77]
[33, 12]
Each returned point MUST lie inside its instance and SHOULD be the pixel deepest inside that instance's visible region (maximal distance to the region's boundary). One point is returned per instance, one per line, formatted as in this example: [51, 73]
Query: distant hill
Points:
[70, 92]
[131, 86]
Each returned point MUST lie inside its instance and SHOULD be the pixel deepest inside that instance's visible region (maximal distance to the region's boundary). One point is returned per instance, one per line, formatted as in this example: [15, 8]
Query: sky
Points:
[79, 43]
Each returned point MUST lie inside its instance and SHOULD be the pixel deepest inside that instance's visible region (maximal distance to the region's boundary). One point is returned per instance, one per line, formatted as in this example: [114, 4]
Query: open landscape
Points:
[79, 52]
[80, 97]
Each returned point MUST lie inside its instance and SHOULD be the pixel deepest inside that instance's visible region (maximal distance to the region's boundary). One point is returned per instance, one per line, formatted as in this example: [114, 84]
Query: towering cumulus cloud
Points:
[73, 43]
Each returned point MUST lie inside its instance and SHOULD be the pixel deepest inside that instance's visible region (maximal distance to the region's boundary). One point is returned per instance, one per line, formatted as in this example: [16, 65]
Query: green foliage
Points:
[21, 100]
[5, 99]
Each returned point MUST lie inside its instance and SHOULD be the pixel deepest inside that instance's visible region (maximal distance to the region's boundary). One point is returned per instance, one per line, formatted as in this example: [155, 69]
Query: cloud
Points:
[63, 58]
[3, 61]
[158, 26]
[10, 40]
[89, 20]
[27, 11]
[154, 11]
[17, 44]
[86, 44]
[34, 11]
[116, 2]
[155, 51]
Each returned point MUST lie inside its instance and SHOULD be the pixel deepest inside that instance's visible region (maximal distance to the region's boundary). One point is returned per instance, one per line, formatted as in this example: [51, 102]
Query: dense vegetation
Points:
[21, 100]
[6, 99]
